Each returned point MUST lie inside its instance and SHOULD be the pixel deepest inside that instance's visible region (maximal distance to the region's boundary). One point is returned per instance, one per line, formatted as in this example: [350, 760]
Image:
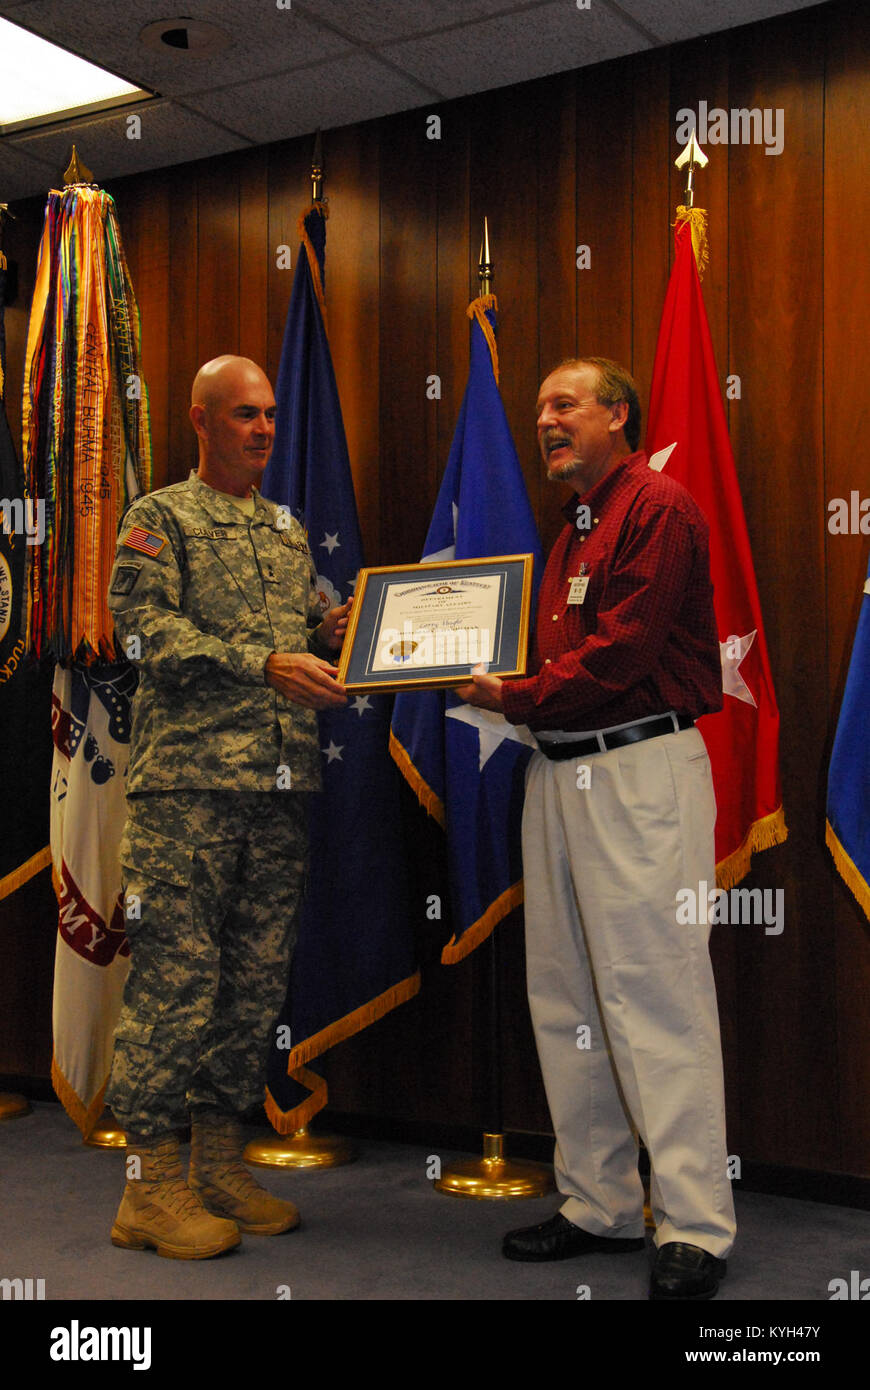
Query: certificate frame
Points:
[446, 628]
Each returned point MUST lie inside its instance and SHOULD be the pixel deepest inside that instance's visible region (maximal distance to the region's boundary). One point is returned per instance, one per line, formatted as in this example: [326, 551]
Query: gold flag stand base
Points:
[106, 1133]
[495, 1176]
[300, 1150]
[12, 1107]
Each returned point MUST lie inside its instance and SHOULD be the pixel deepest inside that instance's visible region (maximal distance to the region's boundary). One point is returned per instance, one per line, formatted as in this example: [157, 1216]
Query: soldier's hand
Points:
[305, 679]
[334, 625]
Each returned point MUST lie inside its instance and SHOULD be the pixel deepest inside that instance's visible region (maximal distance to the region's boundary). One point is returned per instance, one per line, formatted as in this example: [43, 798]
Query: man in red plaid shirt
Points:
[619, 816]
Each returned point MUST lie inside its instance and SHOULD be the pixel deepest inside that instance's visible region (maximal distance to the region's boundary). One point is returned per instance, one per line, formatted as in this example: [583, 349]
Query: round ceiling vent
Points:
[195, 37]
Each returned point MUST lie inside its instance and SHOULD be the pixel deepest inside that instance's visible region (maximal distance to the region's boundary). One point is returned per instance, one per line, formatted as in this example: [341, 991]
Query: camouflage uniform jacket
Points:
[211, 593]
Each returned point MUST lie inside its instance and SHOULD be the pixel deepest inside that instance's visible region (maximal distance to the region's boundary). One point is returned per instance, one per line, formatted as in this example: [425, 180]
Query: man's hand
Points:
[485, 693]
[334, 626]
[305, 679]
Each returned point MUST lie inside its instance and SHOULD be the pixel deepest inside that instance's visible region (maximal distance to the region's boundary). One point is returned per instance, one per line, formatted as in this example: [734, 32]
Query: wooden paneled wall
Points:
[582, 158]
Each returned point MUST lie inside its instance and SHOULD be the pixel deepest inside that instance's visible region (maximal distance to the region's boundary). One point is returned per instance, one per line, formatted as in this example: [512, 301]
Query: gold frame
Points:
[437, 682]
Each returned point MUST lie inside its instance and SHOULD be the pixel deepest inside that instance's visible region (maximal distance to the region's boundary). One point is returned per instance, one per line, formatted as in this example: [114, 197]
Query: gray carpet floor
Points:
[373, 1230]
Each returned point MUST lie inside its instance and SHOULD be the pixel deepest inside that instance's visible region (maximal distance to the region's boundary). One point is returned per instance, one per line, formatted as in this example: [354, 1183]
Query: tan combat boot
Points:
[158, 1209]
[223, 1183]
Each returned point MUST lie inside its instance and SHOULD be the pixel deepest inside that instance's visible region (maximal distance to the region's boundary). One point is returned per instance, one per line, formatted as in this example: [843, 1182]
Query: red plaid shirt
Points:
[644, 640]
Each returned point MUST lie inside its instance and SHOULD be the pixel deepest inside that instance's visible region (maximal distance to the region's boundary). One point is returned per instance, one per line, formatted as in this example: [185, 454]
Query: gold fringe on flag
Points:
[762, 834]
[428, 799]
[848, 870]
[85, 1117]
[697, 220]
[286, 1121]
[478, 931]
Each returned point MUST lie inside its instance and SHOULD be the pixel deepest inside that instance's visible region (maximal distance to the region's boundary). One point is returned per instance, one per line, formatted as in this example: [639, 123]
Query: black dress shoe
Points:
[560, 1239]
[685, 1271]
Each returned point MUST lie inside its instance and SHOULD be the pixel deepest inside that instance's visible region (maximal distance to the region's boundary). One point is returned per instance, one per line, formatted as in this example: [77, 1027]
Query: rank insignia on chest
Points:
[287, 540]
[149, 542]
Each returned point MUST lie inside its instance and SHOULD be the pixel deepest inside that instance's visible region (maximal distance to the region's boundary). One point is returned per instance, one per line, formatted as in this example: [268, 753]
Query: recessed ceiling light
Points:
[196, 38]
[40, 82]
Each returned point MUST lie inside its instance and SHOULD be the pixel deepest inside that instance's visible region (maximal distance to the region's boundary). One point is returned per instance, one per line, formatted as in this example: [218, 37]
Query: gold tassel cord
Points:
[477, 310]
[697, 220]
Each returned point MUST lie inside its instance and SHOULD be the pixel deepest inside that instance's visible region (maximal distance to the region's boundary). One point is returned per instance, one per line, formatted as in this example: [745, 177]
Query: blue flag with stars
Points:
[848, 825]
[467, 766]
[353, 960]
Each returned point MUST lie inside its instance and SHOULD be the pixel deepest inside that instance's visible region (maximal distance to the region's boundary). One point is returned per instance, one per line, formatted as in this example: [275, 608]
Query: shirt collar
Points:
[598, 496]
[219, 507]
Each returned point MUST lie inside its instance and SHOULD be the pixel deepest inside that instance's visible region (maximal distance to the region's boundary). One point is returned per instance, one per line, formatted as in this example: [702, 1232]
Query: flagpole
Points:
[493, 1176]
[106, 1133]
[302, 1149]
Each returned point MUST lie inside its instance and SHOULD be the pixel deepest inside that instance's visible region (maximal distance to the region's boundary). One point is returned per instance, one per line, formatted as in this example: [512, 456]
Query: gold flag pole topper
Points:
[694, 156]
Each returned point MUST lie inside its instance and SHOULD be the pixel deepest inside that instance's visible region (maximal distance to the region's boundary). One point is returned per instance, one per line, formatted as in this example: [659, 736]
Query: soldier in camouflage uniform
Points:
[213, 595]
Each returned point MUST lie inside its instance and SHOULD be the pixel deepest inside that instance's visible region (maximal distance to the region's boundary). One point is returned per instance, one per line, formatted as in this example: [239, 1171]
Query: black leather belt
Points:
[617, 738]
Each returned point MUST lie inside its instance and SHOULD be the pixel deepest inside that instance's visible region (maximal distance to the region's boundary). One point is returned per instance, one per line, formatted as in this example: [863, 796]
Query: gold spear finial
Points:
[76, 171]
[485, 270]
[317, 171]
[692, 155]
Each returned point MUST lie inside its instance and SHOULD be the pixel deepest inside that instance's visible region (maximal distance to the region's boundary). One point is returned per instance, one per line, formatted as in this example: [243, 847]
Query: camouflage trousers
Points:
[218, 877]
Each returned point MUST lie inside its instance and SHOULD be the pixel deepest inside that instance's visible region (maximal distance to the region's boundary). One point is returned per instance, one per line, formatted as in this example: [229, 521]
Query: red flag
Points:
[688, 435]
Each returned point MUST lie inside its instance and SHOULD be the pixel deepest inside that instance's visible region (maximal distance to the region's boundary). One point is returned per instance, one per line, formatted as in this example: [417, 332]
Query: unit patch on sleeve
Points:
[149, 542]
[125, 579]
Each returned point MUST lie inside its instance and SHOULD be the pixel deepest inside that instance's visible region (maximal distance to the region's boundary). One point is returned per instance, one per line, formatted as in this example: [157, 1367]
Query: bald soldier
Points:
[214, 599]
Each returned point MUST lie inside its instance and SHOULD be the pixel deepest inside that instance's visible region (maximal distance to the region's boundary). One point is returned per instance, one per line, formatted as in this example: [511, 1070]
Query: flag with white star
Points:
[848, 825]
[354, 957]
[687, 438]
[467, 766]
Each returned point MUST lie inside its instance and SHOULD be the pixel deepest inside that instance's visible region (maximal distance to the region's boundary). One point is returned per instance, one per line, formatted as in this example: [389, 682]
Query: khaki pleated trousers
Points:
[622, 996]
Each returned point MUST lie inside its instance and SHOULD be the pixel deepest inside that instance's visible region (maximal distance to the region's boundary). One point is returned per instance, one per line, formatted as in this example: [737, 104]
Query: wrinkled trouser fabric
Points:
[602, 867]
[218, 877]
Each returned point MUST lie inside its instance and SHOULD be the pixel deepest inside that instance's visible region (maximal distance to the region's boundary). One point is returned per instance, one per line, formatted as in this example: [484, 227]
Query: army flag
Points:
[91, 728]
[354, 957]
[87, 453]
[687, 434]
[467, 766]
[25, 692]
[848, 822]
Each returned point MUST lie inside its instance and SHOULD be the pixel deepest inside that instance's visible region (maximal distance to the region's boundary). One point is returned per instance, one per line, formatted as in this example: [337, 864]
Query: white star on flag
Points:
[330, 541]
[361, 704]
[660, 458]
[731, 653]
[492, 729]
[333, 752]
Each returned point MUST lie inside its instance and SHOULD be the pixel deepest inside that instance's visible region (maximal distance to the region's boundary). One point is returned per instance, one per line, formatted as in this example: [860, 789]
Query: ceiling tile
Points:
[170, 135]
[350, 89]
[265, 39]
[395, 19]
[530, 43]
[21, 176]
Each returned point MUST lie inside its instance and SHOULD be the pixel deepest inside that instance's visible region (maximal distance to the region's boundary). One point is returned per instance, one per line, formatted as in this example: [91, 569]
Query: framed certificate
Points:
[417, 627]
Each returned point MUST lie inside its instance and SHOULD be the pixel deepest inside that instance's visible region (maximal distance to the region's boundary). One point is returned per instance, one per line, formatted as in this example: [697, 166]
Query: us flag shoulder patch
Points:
[148, 542]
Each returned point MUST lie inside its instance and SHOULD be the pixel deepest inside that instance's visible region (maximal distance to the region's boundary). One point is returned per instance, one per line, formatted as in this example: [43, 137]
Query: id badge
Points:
[577, 591]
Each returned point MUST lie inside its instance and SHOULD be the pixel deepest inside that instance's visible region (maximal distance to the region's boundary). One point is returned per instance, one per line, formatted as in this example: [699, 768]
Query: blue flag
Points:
[848, 828]
[354, 954]
[467, 766]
